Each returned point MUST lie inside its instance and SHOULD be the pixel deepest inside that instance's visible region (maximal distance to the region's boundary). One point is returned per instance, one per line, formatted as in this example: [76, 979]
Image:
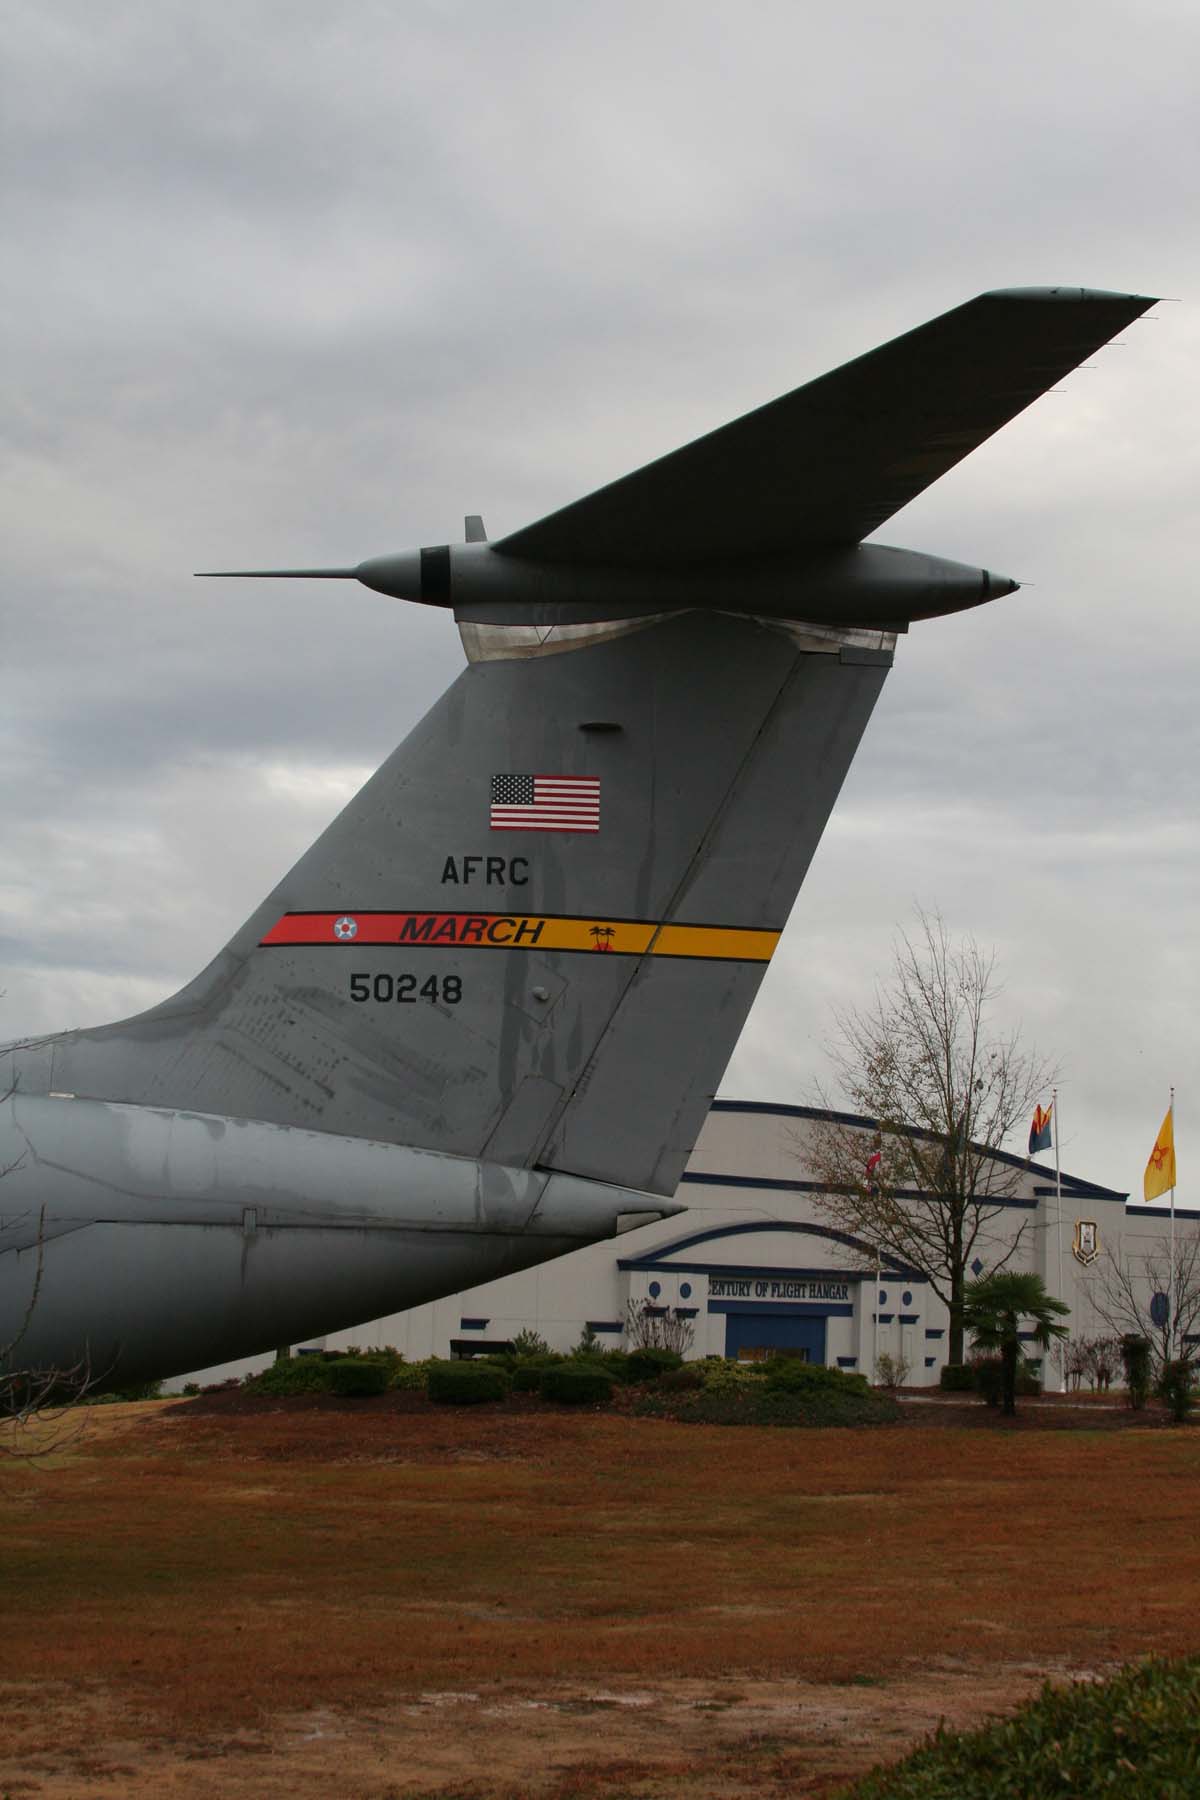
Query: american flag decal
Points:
[545, 803]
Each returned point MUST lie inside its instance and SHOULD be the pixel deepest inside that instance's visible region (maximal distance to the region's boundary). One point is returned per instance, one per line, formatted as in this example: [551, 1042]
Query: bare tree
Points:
[1122, 1293]
[650, 1327]
[944, 1091]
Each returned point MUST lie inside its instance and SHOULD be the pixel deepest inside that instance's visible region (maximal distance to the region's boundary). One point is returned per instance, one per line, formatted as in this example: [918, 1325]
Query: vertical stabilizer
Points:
[536, 932]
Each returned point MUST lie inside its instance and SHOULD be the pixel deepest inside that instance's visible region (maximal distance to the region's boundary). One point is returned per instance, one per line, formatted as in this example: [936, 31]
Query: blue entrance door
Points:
[768, 1335]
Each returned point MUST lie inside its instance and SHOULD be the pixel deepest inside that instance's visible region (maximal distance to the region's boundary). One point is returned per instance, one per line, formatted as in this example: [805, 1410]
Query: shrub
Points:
[787, 1375]
[681, 1381]
[1103, 1359]
[616, 1363]
[1123, 1739]
[1029, 1378]
[1135, 1355]
[648, 1363]
[573, 1384]
[1175, 1385]
[292, 1375]
[465, 1383]
[527, 1376]
[988, 1373]
[745, 1401]
[957, 1378]
[529, 1343]
[891, 1371]
[408, 1376]
[720, 1374]
[357, 1377]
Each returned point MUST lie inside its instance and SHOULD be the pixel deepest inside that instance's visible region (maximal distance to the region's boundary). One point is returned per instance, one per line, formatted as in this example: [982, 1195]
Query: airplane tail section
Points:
[535, 934]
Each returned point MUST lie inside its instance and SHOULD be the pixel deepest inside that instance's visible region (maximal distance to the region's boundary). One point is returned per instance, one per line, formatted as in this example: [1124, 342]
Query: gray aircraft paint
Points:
[441, 1050]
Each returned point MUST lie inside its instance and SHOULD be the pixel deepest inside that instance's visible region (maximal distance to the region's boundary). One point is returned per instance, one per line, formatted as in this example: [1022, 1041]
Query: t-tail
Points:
[531, 941]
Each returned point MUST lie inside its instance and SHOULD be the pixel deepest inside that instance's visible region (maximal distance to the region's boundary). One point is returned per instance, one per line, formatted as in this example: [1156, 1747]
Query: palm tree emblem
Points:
[603, 936]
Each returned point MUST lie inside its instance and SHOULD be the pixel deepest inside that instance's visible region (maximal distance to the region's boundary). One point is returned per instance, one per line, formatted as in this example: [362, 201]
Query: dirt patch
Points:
[508, 1742]
[361, 1599]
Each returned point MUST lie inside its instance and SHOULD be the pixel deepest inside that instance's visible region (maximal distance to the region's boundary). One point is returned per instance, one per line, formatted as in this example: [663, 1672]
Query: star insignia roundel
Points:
[345, 928]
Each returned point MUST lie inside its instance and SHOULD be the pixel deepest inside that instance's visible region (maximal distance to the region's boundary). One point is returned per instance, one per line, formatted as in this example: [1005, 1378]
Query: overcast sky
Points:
[287, 283]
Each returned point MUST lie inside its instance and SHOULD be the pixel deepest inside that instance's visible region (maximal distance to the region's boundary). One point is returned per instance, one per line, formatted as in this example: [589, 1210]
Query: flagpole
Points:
[1058, 1219]
[1174, 1296]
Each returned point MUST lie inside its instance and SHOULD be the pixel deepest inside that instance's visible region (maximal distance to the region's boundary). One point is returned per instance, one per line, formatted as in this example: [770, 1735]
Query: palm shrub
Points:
[987, 1375]
[993, 1309]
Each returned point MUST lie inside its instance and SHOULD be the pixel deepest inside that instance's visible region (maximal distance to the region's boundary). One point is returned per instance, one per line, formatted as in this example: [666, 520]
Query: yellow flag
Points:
[1160, 1170]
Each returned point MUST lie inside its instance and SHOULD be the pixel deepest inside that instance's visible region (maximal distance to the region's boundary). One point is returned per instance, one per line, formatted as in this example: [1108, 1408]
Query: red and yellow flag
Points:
[1160, 1170]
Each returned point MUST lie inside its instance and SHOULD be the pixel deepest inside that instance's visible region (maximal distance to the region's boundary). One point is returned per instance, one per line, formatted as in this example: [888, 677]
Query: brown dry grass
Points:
[201, 1584]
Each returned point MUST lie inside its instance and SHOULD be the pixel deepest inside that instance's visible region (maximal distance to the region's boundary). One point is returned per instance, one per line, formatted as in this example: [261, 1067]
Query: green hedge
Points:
[1133, 1737]
[572, 1384]
[681, 1381]
[788, 1375]
[292, 1375]
[357, 1377]
[648, 1364]
[466, 1383]
[957, 1378]
[751, 1402]
[406, 1376]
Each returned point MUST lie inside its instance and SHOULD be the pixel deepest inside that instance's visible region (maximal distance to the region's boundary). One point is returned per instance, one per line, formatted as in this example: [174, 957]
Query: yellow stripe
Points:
[729, 942]
[584, 934]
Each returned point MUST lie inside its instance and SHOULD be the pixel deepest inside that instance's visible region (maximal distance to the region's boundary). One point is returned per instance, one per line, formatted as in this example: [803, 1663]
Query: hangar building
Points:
[753, 1267]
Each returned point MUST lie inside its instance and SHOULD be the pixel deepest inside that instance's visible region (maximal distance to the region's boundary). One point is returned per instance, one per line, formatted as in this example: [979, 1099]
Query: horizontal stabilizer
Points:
[825, 465]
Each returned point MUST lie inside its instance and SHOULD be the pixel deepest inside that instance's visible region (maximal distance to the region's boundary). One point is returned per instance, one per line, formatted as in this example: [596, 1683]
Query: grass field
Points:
[346, 1600]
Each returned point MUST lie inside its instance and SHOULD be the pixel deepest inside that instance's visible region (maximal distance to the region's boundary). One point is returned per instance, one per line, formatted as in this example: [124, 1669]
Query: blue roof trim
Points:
[992, 1202]
[1090, 1190]
[785, 1309]
[1138, 1208]
[1081, 1190]
[652, 1258]
[758, 1271]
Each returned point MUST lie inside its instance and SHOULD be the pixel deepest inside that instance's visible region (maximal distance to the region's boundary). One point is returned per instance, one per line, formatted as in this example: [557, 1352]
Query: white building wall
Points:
[749, 1206]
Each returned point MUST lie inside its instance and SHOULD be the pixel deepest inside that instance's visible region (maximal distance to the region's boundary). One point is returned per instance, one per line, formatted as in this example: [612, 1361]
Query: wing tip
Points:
[1088, 296]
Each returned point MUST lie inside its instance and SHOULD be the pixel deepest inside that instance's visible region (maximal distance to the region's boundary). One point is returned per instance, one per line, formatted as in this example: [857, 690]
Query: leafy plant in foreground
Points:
[1131, 1738]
